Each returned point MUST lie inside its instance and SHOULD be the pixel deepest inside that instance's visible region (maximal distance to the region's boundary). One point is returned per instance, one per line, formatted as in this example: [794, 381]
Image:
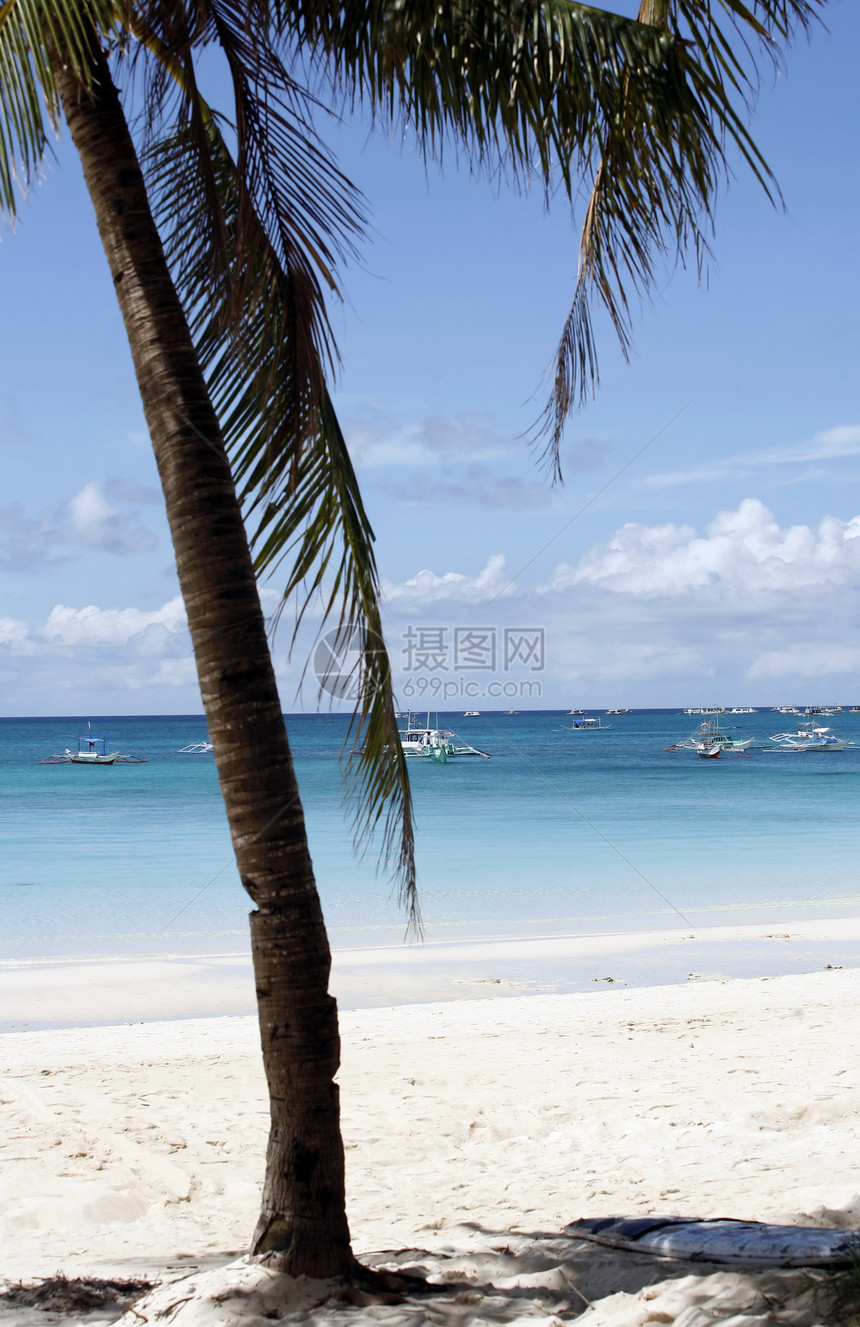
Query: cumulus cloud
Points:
[81, 658]
[427, 587]
[743, 551]
[87, 521]
[111, 626]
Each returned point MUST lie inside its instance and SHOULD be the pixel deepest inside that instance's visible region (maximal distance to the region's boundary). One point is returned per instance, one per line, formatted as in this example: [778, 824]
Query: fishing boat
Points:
[438, 744]
[588, 724]
[91, 751]
[809, 736]
[709, 741]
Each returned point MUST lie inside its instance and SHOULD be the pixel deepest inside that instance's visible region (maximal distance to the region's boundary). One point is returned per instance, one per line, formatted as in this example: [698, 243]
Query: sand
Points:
[475, 1130]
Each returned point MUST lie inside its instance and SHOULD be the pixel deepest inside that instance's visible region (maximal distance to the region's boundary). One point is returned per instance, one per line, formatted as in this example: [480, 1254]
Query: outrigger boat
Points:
[709, 740]
[809, 736]
[587, 724]
[92, 751]
[438, 744]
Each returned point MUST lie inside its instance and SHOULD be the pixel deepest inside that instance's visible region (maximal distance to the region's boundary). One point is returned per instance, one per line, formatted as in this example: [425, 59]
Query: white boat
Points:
[92, 751]
[618, 711]
[588, 725]
[706, 709]
[439, 744]
[195, 749]
[809, 736]
[576, 711]
[471, 714]
[709, 741]
[743, 709]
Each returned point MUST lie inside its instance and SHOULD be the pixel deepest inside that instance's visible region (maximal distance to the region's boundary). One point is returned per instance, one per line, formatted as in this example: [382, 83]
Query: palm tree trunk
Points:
[303, 1222]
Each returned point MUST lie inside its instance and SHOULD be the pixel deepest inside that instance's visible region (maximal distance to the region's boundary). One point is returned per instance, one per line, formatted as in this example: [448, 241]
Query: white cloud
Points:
[13, 634]
[110, 626]
[87, 521]
[744, 552]
[428, 587]
[830, 444]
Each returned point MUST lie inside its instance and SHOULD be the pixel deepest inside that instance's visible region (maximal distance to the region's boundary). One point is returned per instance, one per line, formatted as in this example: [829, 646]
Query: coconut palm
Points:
[225, 247]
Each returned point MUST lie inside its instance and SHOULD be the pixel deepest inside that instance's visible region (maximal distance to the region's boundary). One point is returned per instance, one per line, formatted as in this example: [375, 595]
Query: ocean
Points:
[559, 833]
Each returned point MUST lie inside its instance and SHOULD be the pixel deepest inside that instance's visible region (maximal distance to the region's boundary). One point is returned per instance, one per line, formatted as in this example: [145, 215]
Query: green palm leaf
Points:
[293, 468]
[640, 115]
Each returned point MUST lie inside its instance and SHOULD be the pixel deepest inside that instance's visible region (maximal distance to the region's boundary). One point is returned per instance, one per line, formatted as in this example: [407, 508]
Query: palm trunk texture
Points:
[303, 1223]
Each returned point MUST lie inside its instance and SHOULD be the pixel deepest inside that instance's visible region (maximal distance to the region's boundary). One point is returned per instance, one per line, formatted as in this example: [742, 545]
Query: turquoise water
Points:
[560, 832]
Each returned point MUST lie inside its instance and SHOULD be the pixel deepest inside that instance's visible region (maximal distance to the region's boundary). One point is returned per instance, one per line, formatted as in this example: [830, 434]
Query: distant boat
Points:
[743, 709]
[471, 714]
[576, 711]
[92, 751]
[809, 736]
[438, 744]
[709, 741]
[588, 725]
[196, 748]
[619, 711]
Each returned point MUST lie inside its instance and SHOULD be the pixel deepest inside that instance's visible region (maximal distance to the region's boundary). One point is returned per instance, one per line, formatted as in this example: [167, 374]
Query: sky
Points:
[704, 548]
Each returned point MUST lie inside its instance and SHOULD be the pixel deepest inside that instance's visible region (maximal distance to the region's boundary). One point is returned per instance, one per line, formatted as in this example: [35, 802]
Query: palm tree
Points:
[221, 258]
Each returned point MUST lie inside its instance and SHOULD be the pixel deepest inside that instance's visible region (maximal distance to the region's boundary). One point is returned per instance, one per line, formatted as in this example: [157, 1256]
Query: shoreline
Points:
[90, 992]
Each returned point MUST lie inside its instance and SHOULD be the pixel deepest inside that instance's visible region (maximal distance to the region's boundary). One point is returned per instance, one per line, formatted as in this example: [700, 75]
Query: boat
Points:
[438, 744]
[471, 714]
[709, 741]
[91, 751]
[196, 748]
[619, 711]
[809, 736]
[706, 709]
[743, 709]
[588, 725]
[576, 711]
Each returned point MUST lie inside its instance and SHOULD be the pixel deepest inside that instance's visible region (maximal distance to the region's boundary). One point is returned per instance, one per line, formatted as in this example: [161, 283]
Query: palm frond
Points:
[294, 472]
[643, 117]
[32, 33]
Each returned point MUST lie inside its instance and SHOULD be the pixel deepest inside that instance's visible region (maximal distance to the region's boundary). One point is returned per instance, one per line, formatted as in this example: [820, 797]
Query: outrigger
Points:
[709, 740]
[92, 751]
[438, 744]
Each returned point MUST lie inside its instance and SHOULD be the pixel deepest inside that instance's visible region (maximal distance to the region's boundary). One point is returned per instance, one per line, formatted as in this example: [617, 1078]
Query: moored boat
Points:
[809, 736]
[439, 744]
[709, 741]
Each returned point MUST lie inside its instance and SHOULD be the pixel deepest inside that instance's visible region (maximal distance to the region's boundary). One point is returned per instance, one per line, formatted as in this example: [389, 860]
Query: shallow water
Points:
[560, 832]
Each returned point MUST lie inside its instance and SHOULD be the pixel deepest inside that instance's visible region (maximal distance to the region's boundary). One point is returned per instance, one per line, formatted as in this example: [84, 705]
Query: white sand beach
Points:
[475, 1130]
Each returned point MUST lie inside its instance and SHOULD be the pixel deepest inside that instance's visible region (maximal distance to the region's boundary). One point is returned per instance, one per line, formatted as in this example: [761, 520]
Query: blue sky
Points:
[722, 565]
